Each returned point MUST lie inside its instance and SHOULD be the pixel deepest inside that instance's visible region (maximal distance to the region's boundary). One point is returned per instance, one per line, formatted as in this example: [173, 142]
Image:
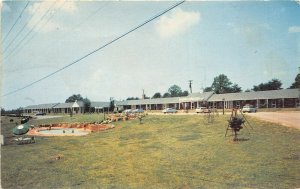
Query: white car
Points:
[128, 111]
[249, 109]
[202, 110]
[169, 110]
[138, 111]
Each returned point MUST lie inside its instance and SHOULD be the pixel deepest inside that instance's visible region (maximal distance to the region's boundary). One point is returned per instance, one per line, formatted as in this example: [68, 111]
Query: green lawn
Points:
[163, 152]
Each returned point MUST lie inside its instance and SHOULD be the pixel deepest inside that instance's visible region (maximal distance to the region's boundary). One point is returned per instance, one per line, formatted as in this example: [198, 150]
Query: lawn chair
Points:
[27, 140]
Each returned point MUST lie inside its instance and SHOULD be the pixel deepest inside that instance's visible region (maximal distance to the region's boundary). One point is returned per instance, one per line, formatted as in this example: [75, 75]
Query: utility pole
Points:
[223, 106]
[143, 95]
[190, 85]
[111, 104]
[299, 91]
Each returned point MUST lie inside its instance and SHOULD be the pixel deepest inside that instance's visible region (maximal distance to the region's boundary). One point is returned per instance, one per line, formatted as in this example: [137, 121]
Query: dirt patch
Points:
[289, 119]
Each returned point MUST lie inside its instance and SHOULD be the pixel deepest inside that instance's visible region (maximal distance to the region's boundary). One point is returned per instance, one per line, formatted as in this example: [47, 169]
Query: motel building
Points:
[66, 108]
[285, 98]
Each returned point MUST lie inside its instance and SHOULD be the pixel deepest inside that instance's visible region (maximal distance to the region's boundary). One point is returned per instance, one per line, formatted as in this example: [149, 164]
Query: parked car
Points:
[128, 111]
[140, 110]
[202, 110]
[169, 110]
[249, 109]
[40, 113]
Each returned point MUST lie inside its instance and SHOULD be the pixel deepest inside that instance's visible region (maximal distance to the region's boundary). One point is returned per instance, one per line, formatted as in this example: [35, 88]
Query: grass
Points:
[163, 152]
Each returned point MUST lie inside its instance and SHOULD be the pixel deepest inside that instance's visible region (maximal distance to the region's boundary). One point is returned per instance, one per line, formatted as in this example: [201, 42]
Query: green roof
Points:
[272, 94]
[100, 104]
[41, 106]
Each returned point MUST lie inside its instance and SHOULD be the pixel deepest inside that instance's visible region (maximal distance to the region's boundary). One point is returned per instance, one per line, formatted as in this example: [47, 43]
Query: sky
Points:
[251, 42]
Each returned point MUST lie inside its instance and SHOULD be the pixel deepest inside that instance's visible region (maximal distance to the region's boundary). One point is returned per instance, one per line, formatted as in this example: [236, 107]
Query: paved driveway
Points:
[46, 117]
[289, 119]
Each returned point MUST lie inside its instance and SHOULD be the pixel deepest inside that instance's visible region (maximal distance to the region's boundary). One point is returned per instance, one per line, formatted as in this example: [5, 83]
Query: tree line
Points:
[173, 91]
[222, 84]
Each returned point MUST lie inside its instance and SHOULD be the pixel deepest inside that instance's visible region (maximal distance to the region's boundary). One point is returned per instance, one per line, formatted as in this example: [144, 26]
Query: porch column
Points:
[267, 103]
[191, 105]
[257, 103]
[283, 103]
[179, 106]
[197, 104]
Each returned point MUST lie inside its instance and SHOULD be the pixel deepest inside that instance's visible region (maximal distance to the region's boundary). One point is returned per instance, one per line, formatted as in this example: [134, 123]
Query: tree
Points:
[208, 89]
[166, 95]
[19, 111]
[296, 83]
[111, 104]
[274, 84]
[184, 93]
[175, 91]
[222, 84]
[132, 98]
[86, 104]
[74, 97]
[157, 95]
[2, 111]
[235, 89]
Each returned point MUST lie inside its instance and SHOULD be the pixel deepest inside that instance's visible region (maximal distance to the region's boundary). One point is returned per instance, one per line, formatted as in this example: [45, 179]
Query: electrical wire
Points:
[73, 28]
[20, 31]
[94, 51]
[19, 17]
[18, 48]
[31, 30]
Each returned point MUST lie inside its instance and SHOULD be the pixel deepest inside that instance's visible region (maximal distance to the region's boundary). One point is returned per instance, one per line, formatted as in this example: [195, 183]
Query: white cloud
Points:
[68, 6]
[294, 29]
[178, 21]
[38, 10]
[4, 7]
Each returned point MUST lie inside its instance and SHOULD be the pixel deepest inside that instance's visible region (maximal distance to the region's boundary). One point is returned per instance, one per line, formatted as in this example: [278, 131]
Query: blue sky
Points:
[250, 42]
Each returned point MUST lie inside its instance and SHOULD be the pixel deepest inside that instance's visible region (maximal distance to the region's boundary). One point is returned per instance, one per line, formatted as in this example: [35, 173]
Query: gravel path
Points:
[289, 119]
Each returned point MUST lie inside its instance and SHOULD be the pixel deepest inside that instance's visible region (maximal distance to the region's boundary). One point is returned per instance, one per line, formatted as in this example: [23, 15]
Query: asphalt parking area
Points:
[289, 119]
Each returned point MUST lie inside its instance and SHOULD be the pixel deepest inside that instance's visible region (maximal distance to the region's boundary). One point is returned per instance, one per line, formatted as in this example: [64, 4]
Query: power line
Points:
[15, 21]
[89, 16]
[18, 34]
[94, 51]
[190, 85]
[28, 33]
[26, 42]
